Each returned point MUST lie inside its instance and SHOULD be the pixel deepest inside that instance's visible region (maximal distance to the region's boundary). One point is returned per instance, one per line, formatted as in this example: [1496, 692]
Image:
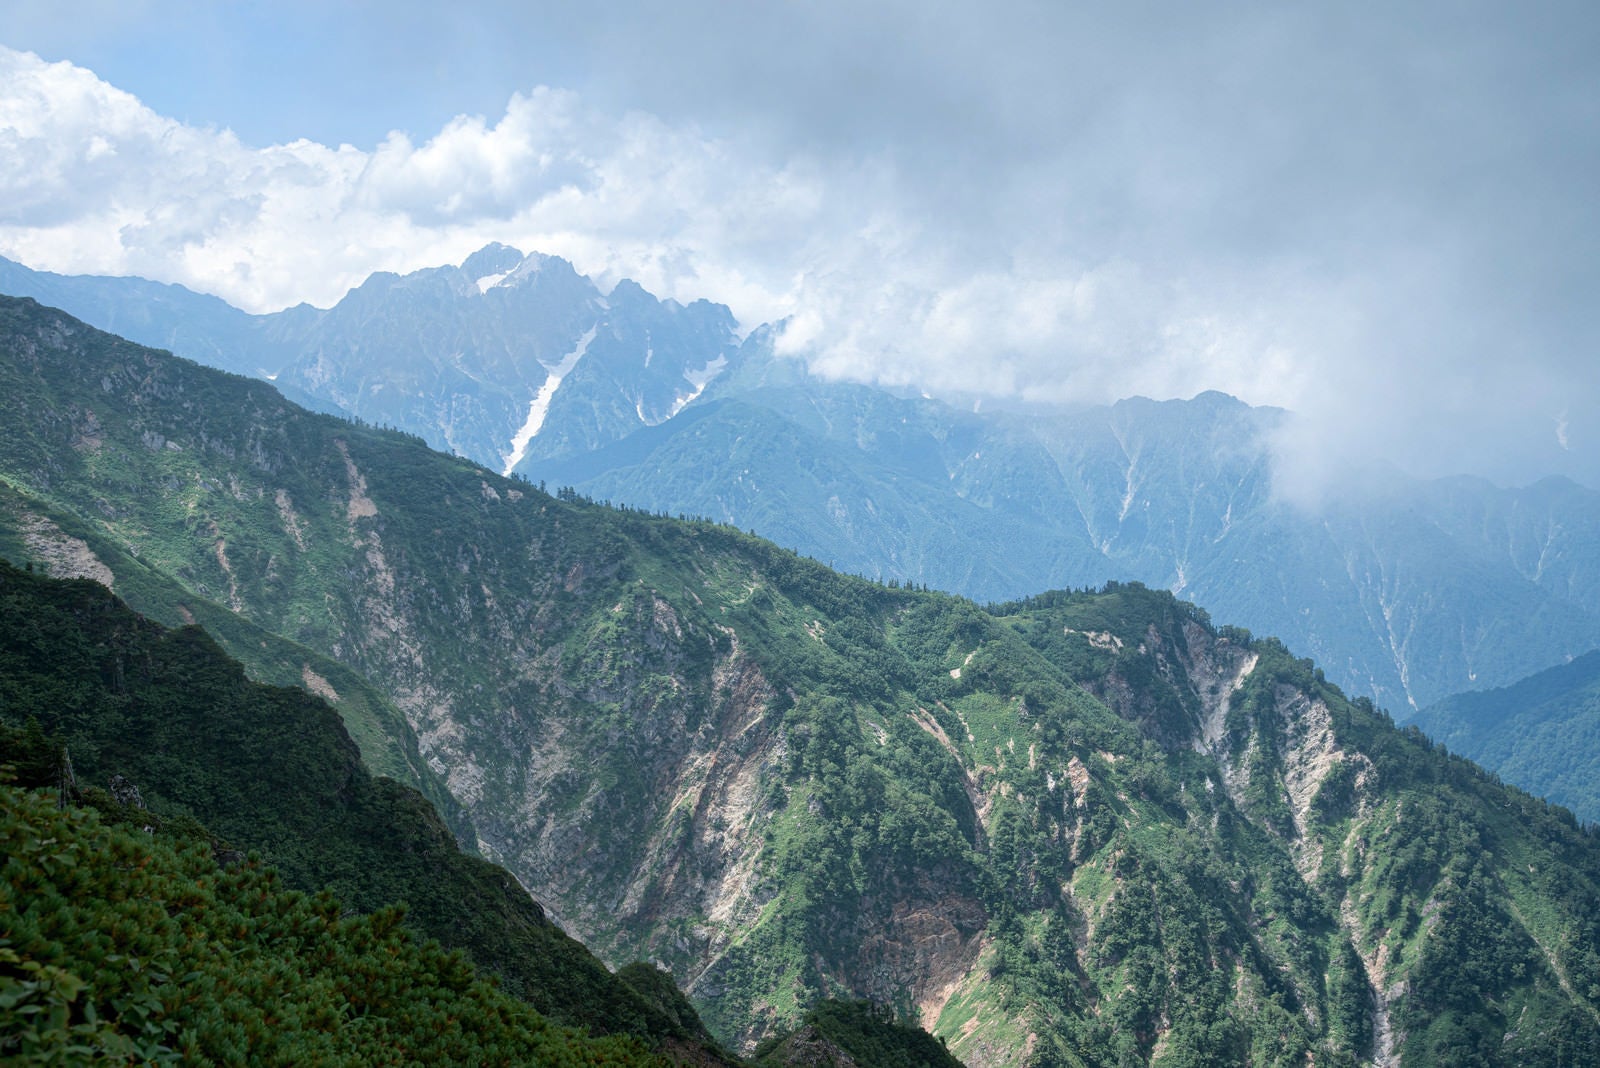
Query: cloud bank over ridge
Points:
[1381, 224]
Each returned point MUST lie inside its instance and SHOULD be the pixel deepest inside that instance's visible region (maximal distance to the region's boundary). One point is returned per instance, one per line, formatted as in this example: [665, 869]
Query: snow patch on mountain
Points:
[698, 381]
[702, 377]
[698, 378]
[489, 281]
[530, 267]
[539, 407]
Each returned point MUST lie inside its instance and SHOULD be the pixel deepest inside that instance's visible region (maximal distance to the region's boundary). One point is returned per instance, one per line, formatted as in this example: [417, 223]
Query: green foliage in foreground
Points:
[272, 768]
[127, 947]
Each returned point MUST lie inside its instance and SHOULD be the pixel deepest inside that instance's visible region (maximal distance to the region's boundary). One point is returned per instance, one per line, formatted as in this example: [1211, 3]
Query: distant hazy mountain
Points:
[201, 327]
[507, 356]
[504, 356]
[1542, 733]
[1407, 591]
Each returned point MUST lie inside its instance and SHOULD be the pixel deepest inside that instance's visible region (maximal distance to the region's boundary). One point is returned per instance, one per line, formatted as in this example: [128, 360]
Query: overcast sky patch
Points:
[1381, 216]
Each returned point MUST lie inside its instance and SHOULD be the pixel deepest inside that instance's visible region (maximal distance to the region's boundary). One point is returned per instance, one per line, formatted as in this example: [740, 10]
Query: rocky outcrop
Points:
[63, 556]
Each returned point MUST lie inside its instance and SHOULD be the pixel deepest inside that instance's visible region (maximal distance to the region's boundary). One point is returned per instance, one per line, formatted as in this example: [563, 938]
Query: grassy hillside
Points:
[848, 1034]
[60, 544]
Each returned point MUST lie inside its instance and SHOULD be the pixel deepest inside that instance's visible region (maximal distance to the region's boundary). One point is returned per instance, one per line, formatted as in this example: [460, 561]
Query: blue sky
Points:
[1381, 216]
[275, 72]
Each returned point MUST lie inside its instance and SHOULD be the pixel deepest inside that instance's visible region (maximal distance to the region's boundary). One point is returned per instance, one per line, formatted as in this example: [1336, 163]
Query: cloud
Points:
[474, 171]
[93, 181]
[1385, 225]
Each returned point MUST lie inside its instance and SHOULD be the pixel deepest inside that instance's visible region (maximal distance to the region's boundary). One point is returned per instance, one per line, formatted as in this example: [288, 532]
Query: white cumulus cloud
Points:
[1332, 227]
[96, 182]
[91, 181]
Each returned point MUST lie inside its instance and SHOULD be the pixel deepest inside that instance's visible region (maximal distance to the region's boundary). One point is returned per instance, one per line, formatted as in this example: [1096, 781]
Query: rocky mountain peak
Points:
[493, 258]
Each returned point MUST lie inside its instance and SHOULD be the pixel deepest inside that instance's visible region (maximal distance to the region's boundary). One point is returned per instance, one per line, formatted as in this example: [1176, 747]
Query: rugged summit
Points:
[1082, 828]
[476, 359]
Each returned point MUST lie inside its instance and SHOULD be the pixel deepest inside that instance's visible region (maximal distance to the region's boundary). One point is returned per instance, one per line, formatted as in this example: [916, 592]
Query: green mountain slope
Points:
[65, 547]
[1082, 829]
[853, 1034]
[272, 769]
[123, 947]
[1405, 590]
[1541, 733]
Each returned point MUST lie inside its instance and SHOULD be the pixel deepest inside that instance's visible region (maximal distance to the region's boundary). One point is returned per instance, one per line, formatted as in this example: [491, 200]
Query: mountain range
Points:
[1405, 590]
[1067, 829]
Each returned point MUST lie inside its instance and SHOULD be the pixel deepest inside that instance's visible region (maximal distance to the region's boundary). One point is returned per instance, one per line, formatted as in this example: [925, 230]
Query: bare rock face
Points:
[63, 556]
[126, 793]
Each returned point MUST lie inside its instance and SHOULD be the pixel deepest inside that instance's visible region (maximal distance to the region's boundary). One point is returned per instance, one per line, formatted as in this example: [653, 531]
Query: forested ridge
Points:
[271, 770]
